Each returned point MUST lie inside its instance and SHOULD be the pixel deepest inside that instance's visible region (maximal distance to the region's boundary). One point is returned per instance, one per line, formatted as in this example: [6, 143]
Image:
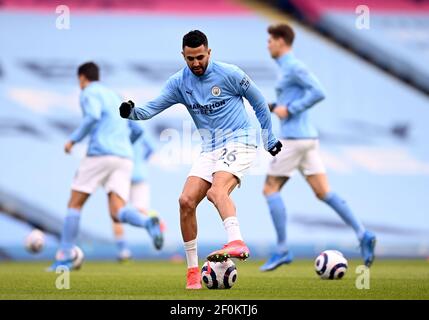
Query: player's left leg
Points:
[71, 222]
[219, 194]
[90, 174]
[117, 185]
[140, 199]
[313, 169]
[280, 171]
[277, 208]
[319, 184]
[140, 196]
[127, 214]
[64, 256]
[124, 253]
[232, 161]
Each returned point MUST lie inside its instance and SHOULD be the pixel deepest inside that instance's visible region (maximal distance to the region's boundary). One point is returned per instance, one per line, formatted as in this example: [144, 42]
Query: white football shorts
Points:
[140, 195]
[301, 154]
[111, 172]
[235, 158]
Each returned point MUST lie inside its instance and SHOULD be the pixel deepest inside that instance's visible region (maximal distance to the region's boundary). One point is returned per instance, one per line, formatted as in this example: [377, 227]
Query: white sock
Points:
[232, 229]
[191, 253]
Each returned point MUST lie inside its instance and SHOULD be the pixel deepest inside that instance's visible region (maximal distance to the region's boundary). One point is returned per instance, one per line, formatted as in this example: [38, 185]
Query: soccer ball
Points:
[35, 241]
[77, 255]
[219, 275]
[331, 264]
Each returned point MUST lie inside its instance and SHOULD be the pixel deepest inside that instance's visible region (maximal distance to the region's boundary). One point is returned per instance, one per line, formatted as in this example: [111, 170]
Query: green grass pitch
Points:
[389, 279]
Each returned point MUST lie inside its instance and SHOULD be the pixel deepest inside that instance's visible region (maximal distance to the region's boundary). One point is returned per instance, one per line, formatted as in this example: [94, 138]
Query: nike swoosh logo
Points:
[189, 92]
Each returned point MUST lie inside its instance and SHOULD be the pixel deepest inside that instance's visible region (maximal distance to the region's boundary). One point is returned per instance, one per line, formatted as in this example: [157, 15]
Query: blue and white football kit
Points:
[109, 157]
[215, 103]
[108, 163]
[299, 90]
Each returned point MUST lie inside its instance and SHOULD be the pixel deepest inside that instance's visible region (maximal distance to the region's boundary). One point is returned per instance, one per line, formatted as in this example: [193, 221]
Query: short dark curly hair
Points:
[194, 39]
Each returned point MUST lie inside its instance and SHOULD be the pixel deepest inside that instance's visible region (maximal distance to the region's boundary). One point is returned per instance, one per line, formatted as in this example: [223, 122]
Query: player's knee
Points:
[74, 205]
[320, 194]
[114, 217]
[187, 203]
[215, 195]
[269, 189]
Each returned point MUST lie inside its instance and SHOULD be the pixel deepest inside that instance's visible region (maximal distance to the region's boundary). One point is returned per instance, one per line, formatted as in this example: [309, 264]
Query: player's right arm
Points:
[278, 110]
[313, 91]
[167, 98]
[91, 109]
[247, 88]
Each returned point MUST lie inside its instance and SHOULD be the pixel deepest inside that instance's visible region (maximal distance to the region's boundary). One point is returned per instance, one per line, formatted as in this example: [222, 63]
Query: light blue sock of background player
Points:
[70, 231]
[278, 215]
[122, 245]
[133, 216]
[341, 207]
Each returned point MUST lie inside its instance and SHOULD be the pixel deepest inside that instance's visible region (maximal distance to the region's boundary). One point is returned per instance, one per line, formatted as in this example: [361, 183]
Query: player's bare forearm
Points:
[281, 112]
[68, 146]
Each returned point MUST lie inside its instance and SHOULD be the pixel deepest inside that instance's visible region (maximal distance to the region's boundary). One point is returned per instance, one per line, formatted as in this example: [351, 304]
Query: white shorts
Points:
[111, 172]
[301, 154]
[140, 195]
[235, 158]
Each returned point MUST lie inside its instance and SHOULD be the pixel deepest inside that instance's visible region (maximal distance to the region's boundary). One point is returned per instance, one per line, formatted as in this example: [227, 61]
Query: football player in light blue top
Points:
[213, 93]
[297, 91]
[108, 163]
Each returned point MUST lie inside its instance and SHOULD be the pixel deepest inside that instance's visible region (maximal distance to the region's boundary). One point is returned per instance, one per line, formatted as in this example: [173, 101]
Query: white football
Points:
[35, 241]
[77, 255]
[219, 275]
[331, 264]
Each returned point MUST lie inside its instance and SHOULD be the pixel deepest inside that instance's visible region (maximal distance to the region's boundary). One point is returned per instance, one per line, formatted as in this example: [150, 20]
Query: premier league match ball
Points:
[77, 255]
[331, 264]
[219, 275]
[35, 241]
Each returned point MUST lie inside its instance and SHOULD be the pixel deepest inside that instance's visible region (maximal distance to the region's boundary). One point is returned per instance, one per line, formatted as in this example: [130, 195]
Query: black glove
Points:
[276, 149]
[125, 109]
[271, 106]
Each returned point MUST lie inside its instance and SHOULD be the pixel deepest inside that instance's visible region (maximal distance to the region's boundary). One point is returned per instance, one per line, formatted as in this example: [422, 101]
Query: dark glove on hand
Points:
[125, 109]
[276, 149]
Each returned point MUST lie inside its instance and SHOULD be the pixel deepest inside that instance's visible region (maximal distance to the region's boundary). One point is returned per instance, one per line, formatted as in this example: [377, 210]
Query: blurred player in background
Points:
[297, 91]
[108, 163]
[139, 194]
[213, 94]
